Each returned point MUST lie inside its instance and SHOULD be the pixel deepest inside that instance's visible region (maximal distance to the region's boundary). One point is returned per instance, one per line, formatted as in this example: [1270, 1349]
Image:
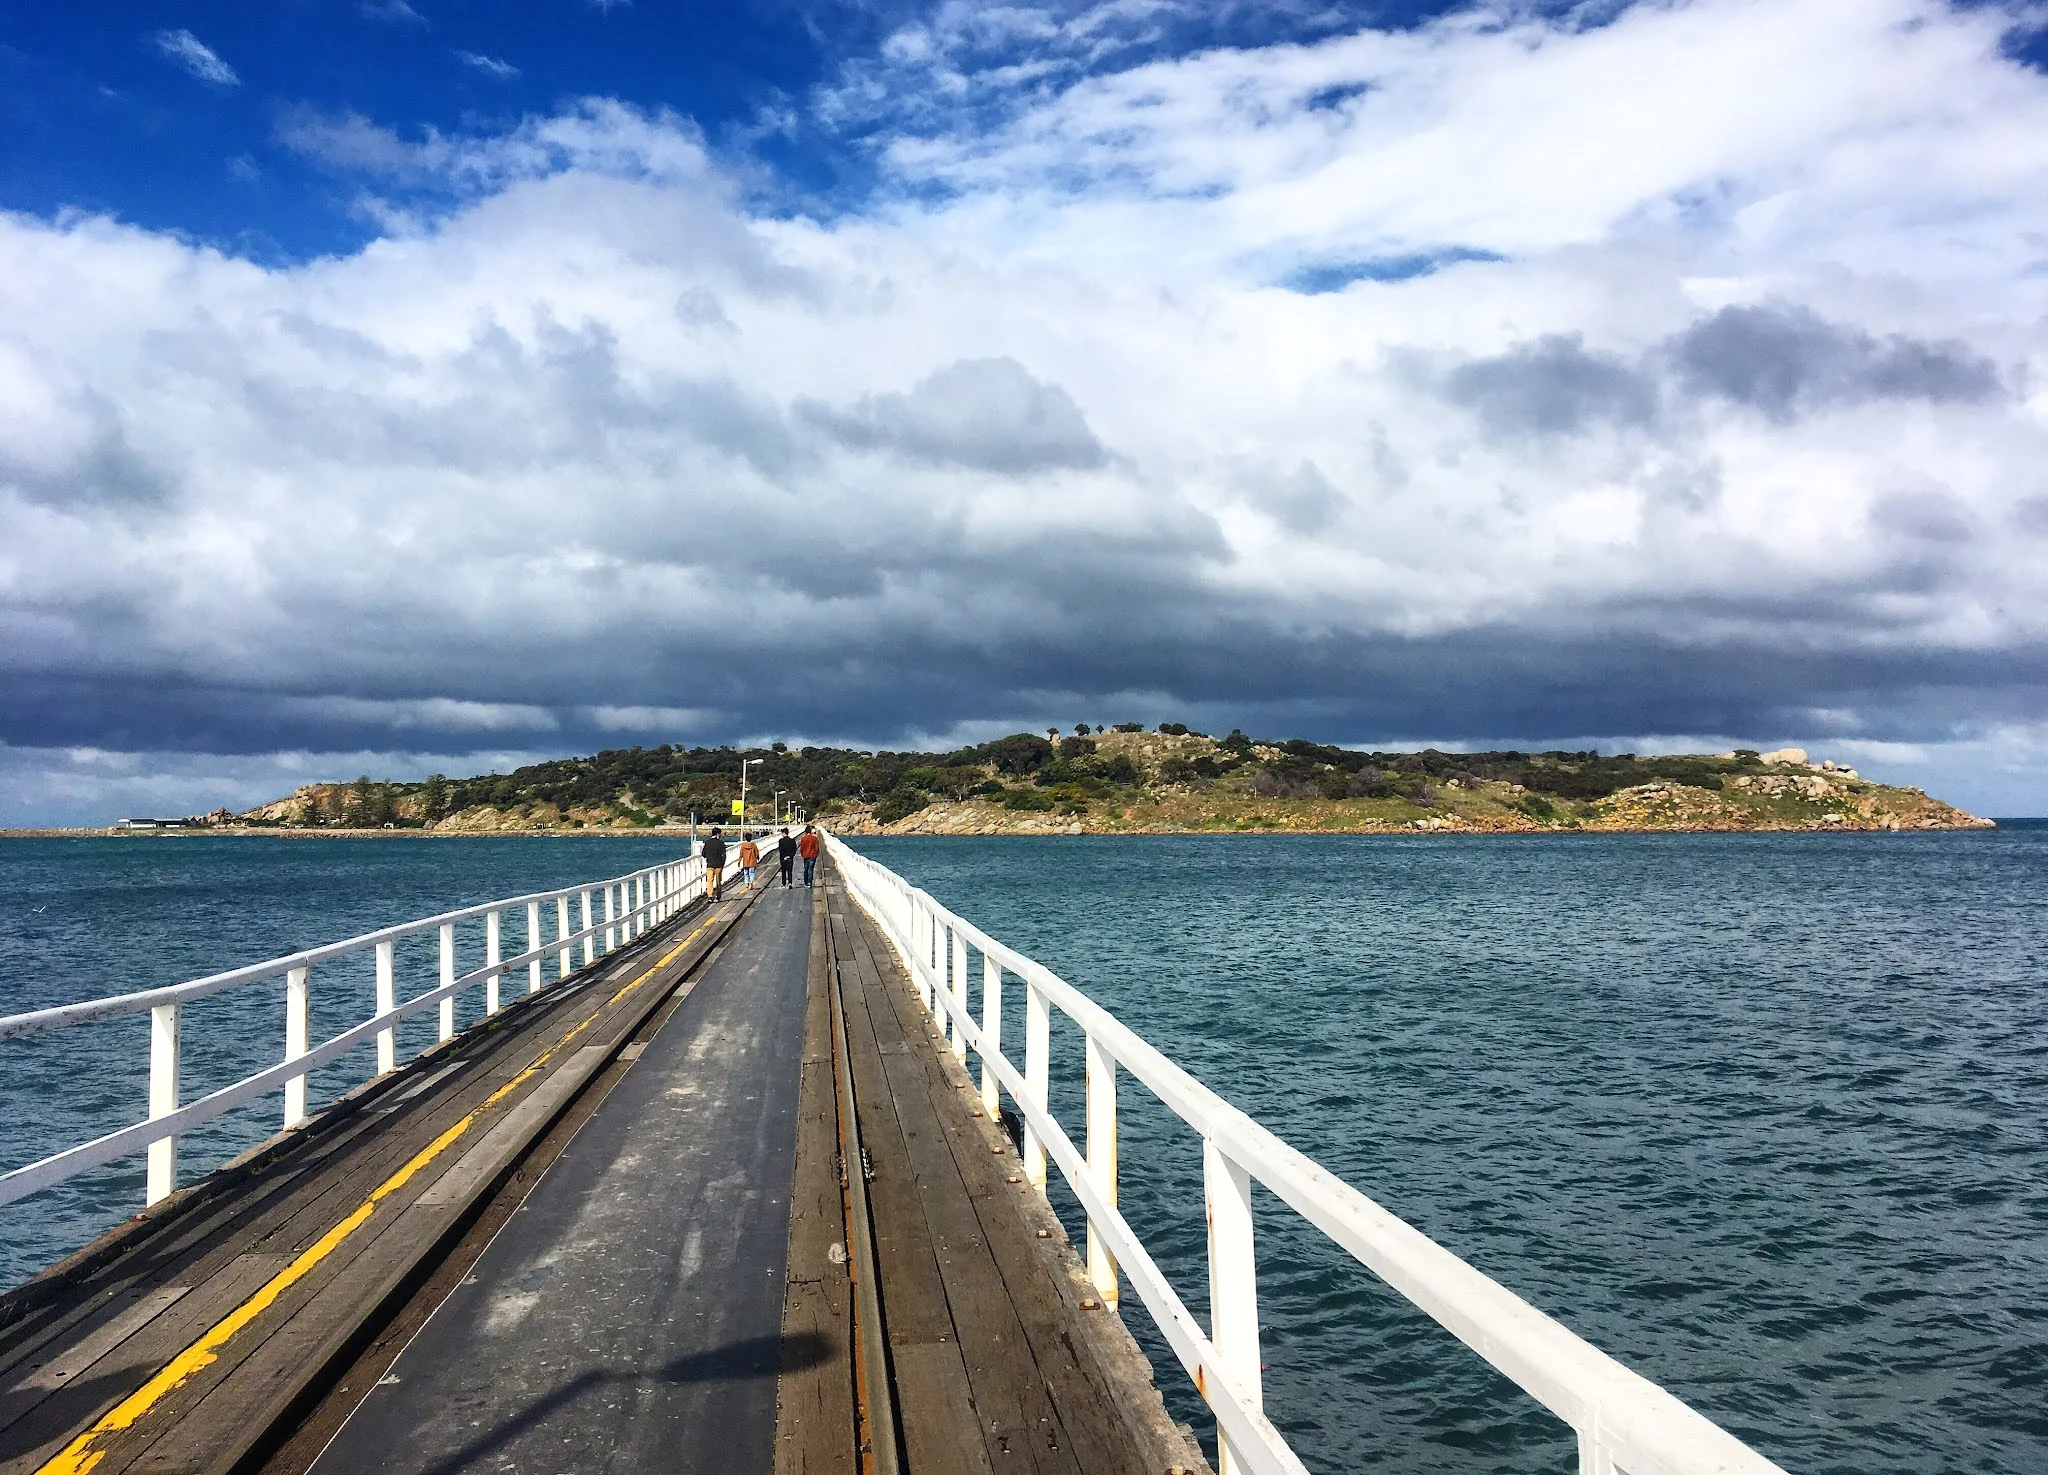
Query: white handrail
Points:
[58, 1016]
[1624, 1422]
[634, 903]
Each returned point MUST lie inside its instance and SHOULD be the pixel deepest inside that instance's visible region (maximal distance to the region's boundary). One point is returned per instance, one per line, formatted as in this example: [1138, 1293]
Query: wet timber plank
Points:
[228, 1247]
[1075, 1374]
[816, 1432]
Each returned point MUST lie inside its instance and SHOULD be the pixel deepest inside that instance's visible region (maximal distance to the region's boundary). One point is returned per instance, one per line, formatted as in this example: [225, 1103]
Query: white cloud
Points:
[680, 722]
[490, 66]
[584, 435]
[196, 57]
[598, 135]
[83, 787]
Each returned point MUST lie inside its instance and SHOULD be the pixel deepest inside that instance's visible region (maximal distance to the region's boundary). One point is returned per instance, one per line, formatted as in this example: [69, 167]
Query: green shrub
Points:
[1119, 770]
[1035, 799]
[899, 803]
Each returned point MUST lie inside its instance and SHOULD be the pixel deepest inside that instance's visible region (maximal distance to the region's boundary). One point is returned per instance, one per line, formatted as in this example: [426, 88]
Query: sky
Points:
[399, 386]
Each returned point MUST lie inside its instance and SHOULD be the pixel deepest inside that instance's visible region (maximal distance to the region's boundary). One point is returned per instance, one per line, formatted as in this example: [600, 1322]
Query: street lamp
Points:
[745, 764]
[778, 807]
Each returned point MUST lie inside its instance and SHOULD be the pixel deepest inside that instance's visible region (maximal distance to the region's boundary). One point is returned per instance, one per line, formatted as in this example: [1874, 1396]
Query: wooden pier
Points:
[628, 1224]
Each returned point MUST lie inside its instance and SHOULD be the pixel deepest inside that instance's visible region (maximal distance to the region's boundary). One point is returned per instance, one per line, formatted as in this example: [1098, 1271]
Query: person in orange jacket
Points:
[807, 846]
[750, 858]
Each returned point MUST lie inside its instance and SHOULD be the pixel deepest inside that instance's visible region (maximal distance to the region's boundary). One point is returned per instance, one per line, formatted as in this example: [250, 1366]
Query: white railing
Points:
[1624, 1422]
[632, 905]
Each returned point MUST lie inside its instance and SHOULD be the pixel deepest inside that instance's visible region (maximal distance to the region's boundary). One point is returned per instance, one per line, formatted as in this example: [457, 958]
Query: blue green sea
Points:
[1761, 1115]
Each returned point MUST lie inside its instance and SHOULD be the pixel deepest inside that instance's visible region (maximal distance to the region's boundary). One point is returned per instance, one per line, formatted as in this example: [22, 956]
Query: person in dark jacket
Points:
[714, 862]
[785, 852]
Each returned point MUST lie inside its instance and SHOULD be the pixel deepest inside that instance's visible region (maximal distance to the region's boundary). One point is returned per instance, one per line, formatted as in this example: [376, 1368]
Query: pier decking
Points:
[610, 1230]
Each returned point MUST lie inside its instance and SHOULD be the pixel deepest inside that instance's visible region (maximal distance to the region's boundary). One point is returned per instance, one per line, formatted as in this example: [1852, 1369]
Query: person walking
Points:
[785, 852]
[807, 847]
[714, 862]
[750, 858]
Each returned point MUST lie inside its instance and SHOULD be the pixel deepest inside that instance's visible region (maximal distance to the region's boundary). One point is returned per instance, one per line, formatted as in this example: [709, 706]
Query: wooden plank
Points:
[48, 1377]
[53, 1422]
[1019, 1423]
[816, 1430]
[934, 1400]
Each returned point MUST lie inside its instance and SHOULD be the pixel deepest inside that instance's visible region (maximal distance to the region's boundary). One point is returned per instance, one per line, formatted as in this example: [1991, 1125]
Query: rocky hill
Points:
[1129, 780]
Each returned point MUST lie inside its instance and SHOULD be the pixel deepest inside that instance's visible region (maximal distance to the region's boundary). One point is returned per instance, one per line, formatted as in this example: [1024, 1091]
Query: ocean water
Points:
[1760, 1115]
[82, 918]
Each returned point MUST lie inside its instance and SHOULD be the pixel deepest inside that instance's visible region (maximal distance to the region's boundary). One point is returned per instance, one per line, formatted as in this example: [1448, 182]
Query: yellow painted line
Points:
[80, 1455]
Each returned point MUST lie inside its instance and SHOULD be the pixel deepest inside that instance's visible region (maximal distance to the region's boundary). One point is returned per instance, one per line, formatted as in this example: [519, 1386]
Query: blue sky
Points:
[106, 112]
[438, 385]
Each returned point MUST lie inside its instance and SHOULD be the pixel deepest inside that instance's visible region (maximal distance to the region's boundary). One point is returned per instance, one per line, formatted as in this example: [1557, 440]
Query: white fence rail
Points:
[632, 904]
[1624, 1422]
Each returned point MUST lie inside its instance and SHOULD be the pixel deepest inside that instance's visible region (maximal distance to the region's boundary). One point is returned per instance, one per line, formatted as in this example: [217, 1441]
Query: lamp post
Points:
[778, 807]
[745, 764]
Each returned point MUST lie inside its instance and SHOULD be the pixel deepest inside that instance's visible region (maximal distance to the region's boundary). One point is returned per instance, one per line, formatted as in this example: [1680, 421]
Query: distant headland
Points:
[1117, 780]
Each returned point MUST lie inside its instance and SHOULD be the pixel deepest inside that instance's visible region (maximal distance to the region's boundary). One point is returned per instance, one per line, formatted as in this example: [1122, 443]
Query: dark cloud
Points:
[101, 466]
[983, 414]
[1552, 386]
[1109, 651]
[1302, 501]
[1928, 515]
[1783, 361]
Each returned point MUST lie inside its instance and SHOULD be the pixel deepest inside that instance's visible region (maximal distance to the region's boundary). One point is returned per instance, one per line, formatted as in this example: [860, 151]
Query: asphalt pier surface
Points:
[628, 1315]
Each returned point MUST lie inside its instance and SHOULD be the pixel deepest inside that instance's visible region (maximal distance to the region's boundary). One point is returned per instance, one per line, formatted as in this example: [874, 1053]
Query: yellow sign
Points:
[739, 809]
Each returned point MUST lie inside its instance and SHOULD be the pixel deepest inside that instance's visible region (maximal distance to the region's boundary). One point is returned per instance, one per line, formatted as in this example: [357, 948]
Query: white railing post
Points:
[1594, 1457]
[561, 932]
[1101, 1163]
[991, 1032]
[448, 979]
[611, 912]
[533, 947]
[640, 905]
[1037, 1073]
[298, 1000]
[492, 952]
[387, 1000]
[960, 993]
[1233, 1286]
[589, 938]
[163, 1100]
[927, 980]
